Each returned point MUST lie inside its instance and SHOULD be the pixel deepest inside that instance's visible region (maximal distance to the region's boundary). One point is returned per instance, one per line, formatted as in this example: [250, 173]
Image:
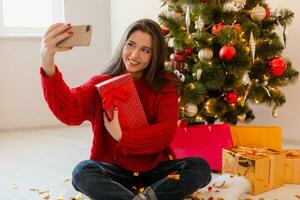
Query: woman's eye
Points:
[146, 50]
[129, 44]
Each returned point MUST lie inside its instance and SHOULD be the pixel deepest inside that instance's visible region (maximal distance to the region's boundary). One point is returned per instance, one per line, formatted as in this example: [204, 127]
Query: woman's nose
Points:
[134, 53]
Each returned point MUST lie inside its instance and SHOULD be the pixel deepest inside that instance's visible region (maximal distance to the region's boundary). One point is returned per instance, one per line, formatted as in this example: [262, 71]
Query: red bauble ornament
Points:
[177, 57]
[227, 53]
[165, 30]
[231, 97]
[182, 123]
[268, 12]
[188, 51]
[204, 1]
[277, 66]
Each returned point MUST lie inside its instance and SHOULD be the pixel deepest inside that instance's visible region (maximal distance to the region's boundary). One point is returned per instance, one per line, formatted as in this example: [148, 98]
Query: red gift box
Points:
[204, 141]
[120, 92]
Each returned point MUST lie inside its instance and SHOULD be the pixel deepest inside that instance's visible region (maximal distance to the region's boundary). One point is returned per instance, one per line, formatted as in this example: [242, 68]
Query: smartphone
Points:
[81, 36]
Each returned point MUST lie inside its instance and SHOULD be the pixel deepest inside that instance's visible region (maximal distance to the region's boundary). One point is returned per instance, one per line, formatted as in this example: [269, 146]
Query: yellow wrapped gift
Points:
[257, 136]
[292, 166]
[263, 167]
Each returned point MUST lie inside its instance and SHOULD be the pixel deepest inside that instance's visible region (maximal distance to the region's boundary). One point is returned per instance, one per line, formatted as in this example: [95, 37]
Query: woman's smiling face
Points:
[137, 53]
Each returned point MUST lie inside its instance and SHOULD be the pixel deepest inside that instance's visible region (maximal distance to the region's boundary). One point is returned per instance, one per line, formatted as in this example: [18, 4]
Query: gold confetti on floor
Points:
[14, 186]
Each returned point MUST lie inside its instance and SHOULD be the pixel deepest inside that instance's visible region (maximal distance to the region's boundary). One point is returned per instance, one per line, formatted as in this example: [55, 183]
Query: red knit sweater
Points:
[138, 150]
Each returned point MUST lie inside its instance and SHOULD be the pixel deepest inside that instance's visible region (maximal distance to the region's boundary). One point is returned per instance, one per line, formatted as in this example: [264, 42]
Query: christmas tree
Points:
[228, 55]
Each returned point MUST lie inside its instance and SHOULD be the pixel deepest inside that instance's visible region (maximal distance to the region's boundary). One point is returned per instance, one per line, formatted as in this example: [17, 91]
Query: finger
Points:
[61, 49]
[62, 37]
[59, 30]
[52, 27]
[116, 112]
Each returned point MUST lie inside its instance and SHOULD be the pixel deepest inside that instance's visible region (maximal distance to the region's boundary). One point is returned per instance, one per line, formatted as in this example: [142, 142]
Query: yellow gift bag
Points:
[257, 136]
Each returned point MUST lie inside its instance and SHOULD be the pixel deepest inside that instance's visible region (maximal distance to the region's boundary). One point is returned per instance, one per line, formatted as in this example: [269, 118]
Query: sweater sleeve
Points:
[70, 106]
[156, 137]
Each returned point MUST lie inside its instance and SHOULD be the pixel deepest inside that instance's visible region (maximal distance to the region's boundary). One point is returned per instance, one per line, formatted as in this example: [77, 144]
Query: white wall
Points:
[21, 100]
[21, 103]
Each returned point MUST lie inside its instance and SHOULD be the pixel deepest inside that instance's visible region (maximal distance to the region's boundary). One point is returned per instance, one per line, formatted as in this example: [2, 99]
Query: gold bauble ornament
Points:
[258, 13]
[190, 109]
[209, 107]
[205, 54]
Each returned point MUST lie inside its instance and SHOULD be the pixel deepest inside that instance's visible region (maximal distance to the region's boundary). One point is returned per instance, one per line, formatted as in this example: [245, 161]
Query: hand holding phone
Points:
[81, 36]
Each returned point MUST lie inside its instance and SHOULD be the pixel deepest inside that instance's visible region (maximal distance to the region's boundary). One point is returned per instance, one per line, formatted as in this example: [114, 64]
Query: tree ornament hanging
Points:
[182, 123]
[258, 13]
[217, 28]
[247, 93]
[178, 59]
[188, 51]
[199, 24]
[171, 42]
[227, 53]
[285, 34]
[277, 66]
[275, 111]
[240, 4]
[209, 106]
[199, 73]
[246, 79]
[231, 97]
[264, 86]
[188, 19]
[179, 75]
[204, 1]
[205, 54]
[268, 13]
[230, 6]
[241, 118]
[190, 109]
[252, 44]
[165, 29]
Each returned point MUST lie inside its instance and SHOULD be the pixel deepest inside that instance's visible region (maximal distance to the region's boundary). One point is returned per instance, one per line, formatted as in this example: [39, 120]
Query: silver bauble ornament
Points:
[258, 13]
[205, 54]
[190, 109]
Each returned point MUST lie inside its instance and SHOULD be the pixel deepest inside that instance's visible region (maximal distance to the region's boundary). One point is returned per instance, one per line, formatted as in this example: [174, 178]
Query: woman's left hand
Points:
[113, 126]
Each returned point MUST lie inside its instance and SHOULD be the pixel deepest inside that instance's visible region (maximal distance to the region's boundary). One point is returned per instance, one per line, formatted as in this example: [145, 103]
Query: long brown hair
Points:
[155, 74]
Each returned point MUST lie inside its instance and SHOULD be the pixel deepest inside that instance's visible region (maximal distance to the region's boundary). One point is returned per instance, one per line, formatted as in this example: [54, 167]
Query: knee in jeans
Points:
[82, 169]
[202, 171]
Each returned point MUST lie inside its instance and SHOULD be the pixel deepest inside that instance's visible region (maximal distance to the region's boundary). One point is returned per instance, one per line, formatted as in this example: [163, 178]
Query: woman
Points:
[123, 162]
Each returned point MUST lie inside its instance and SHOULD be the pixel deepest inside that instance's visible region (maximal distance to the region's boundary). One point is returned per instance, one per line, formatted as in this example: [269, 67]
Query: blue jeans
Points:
[105, 181]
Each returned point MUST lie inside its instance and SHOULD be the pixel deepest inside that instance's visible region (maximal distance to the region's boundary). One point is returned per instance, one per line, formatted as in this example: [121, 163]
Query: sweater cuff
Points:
[54, 77]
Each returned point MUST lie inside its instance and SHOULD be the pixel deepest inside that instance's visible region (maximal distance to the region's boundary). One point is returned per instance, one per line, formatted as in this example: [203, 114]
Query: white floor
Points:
[42, 160]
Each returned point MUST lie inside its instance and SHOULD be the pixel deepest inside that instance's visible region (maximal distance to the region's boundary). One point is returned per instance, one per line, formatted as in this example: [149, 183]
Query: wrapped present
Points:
[205, 141]
[120, 92]
[257, 136]
[263, 167]
[292, 166]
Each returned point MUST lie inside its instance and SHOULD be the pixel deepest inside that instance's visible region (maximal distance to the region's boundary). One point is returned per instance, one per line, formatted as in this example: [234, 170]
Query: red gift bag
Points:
[120, 92]
[205, 141]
